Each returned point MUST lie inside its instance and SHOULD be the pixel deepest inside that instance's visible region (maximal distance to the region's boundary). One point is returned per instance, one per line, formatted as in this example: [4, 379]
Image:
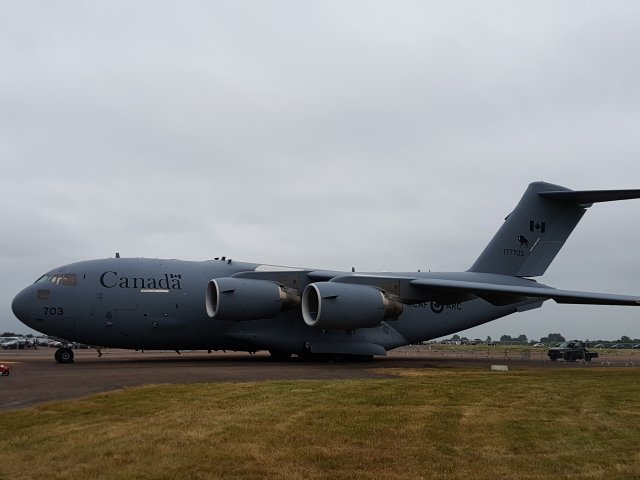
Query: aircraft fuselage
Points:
[160, 304]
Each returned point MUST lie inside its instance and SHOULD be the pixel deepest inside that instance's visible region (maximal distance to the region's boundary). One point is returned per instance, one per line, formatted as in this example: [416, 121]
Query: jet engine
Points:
[238, 299]
[344, 306]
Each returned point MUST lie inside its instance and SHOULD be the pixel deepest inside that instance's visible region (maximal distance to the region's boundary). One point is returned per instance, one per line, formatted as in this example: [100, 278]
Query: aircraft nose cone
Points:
[21, 305]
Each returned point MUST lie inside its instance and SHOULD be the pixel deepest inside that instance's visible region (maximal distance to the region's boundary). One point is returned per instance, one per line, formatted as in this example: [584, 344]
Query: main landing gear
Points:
[64, 355]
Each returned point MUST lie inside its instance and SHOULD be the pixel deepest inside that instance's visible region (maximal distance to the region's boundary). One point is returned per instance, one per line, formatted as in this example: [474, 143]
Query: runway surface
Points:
[36, 378]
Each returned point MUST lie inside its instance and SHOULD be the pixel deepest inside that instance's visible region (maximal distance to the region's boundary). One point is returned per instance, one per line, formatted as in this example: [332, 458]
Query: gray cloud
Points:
[328, 134]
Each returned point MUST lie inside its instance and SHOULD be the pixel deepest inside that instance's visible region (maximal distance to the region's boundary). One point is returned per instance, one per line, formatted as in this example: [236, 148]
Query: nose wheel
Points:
[64, 355]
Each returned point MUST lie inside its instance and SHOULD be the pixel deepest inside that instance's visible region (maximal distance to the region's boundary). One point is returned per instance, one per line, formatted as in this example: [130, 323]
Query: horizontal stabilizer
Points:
[586, 197]
[489, 290]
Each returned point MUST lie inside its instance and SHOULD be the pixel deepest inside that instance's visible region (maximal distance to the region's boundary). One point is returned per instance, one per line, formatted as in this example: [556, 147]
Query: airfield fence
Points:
[606, 357]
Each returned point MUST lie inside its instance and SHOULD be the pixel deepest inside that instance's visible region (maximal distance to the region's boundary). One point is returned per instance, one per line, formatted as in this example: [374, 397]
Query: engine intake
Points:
[343, 306]
[239, 299]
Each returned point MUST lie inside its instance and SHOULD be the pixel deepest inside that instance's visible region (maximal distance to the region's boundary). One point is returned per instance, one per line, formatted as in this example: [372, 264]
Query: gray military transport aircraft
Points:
[221, 304]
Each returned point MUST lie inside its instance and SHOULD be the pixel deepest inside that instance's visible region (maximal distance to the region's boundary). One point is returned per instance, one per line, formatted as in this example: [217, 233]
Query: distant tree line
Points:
[551, 338]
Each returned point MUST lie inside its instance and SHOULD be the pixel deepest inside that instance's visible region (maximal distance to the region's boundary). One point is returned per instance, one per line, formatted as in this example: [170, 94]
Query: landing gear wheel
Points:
[64, 355]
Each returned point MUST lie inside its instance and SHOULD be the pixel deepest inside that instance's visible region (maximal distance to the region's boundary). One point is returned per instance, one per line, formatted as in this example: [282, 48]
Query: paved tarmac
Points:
[36, 378]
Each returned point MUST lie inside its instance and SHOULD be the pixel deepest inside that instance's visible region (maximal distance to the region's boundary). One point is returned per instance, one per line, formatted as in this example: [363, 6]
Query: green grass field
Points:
[426, 423]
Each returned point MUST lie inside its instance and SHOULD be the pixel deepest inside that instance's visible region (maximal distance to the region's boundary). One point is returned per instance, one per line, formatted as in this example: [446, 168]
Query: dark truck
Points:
[571, 351]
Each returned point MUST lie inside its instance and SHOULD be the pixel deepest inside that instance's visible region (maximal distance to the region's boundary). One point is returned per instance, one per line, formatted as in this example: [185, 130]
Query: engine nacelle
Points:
[239, 299]
[345, 306]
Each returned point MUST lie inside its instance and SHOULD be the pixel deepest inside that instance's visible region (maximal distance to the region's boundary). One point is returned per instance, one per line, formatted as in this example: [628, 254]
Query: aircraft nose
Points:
[21, 305]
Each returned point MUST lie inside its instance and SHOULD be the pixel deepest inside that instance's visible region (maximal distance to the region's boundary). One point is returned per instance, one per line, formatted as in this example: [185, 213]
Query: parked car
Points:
[4, 370]
[539, 344]
[14, 344]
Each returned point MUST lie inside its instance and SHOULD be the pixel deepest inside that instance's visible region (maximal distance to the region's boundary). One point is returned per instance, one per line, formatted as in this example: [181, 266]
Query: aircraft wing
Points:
[283, 274]
[498, 293]
[447, 290]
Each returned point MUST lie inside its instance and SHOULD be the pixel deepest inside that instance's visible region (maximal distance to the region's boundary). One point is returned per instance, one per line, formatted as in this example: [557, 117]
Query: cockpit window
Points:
[68, 279]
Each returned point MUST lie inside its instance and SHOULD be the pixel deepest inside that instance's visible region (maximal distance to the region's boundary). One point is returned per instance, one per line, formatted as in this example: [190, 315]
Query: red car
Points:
[4, 370]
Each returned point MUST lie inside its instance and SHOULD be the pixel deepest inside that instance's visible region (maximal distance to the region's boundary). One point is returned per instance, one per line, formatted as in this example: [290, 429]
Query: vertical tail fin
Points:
[533, 234]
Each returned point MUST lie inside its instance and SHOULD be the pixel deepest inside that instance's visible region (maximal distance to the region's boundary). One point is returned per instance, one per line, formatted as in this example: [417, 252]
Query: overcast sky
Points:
[330, 134]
